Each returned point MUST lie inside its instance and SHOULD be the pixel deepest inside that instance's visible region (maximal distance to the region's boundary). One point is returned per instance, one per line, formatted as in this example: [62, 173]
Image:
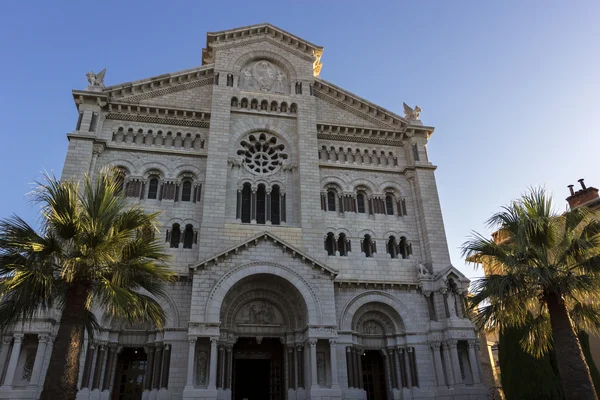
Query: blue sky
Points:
[511, 86]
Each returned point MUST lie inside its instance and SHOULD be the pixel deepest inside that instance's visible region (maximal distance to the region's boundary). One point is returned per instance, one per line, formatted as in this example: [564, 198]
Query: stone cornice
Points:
[359, 134]
[268, 236]
[376, 284]
[159, 83]
[276, 36]
[365, 109]
[158, 115]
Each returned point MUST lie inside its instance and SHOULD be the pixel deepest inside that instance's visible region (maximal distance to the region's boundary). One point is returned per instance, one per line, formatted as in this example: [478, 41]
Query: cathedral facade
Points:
[303, 223]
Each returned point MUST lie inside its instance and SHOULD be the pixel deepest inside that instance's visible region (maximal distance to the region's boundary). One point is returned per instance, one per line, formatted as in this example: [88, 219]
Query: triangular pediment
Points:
[267, 237]
[451, 270]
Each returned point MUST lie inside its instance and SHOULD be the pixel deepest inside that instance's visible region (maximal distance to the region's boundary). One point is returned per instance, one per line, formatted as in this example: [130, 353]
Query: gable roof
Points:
[266, 236]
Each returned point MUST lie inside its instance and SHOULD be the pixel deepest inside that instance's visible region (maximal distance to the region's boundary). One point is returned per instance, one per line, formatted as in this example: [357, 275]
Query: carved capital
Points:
[192, 340]
[332, 342]
[43, 338]
[473, 343]
[98, 149]
[435, 346]
[312, 342]
[7, 339]
[214, 340]
[18, 337]
[452, 343]
[167, 346]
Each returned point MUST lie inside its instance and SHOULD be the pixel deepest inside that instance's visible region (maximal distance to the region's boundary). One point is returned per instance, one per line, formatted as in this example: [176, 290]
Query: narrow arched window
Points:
[261, 204]
[330, 244]
[188, 236]
[343, 245]
[367, 246]
[186, 191]
[153, 188]
[120, 175]
[246, 202]
[360, 203]
[331, 195]
[175, 236]
[403, 247]
[389, 205]
[391, 247]
[275, 205]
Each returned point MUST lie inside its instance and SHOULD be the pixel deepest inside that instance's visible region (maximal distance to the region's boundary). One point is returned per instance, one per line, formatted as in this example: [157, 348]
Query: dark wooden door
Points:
[129, 377]
[374, 375]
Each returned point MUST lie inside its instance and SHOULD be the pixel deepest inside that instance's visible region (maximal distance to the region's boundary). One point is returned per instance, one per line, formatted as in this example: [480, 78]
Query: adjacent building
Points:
[305, 229]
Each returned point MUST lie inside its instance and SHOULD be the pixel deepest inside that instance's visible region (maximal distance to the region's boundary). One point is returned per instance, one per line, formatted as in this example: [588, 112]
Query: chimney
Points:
[586, 196]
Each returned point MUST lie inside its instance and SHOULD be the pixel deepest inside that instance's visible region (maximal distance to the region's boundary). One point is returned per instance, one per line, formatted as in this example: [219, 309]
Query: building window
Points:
[79, 121]
[153, 189]
[389, 205]
[261, 202]
[93, 122]
[186, 191]
[275, 206]
[343, 245]
[392, 247]
[331, 195]
[402, 208]
[368, 246]
[415, 148]
[360, 203]
[330, 244]
[404, 248]
[175, 236]
[188, 236]
[246, 202]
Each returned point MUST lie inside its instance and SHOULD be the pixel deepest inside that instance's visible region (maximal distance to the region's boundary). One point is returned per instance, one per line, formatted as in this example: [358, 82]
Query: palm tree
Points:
[92, 250]
[544, 274]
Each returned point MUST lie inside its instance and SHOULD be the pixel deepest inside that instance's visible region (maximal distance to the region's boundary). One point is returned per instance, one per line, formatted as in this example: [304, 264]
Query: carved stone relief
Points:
[265, 77]
[259, 312]
[321, 368]
[201, 368]
[371, 328]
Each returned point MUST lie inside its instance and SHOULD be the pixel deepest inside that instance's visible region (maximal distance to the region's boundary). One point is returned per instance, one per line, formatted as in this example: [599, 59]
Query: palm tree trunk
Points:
[63, 370]
[574, 373]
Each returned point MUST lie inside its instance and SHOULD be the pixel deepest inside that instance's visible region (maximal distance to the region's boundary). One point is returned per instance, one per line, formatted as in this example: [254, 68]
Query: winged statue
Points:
[411, 114]
[96, 80]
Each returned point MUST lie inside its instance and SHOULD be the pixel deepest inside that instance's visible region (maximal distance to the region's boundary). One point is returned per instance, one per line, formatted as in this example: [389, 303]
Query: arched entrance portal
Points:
[261, 316]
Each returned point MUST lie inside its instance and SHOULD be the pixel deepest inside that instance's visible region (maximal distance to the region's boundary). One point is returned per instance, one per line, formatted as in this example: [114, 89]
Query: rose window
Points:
[262, 154]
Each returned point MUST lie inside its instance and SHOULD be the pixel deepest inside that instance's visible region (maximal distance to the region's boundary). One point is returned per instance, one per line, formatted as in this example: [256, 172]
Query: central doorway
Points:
[257, 369]
[129, 377]
[374, 375]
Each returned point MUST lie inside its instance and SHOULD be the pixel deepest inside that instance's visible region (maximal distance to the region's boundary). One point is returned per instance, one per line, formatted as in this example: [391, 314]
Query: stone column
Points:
[357, 371]
[360, 375]
[6, 341]
[313, 363]
[455, 363]
[212, 376]
[386, 369]
[398, 369]
[150, 349]
[349, 366]
[407, 367]
[448, 363]
[392, 363]
[38, 364]
[473, 361]
[98, 368]
[166, 366]
[112, 349]
[87, 368]
[333, 362]
[229, 374]
[437, 363]
[291, 370]
[13, 360]
[158, 353]
[191, 361]
[221, 366]
[300, 369]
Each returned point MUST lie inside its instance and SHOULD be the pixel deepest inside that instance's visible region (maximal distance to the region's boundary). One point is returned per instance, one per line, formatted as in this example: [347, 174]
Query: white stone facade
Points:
[285, 191]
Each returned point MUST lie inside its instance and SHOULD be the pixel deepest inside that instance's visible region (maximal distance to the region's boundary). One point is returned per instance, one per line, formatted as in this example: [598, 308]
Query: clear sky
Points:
[511, 86]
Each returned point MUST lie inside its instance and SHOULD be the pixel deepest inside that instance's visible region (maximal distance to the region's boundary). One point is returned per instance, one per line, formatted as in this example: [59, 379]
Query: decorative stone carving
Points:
[371, 328]
[29, 361]
[96, 80]
[321, 368]
[410, 113]
[264, 76]
[259, 312]
[262, 154]
[422, 269]
[201, 368]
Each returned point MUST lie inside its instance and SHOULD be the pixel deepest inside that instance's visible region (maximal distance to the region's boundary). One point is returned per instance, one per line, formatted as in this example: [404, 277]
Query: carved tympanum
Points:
[265, 77]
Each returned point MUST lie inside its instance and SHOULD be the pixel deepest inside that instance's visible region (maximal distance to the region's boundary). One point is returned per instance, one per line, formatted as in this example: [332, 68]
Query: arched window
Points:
[331, 197]
[153, 188]
[343, 245]
[186, 191]
[391, 247]
[404, 248]
[389, 205]
[360, 203]
[368, 246]
[330, 244]
[275, 205]
[246, 202]
[188, 236]
[175, 236]
[120, 174]
[260, 204]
